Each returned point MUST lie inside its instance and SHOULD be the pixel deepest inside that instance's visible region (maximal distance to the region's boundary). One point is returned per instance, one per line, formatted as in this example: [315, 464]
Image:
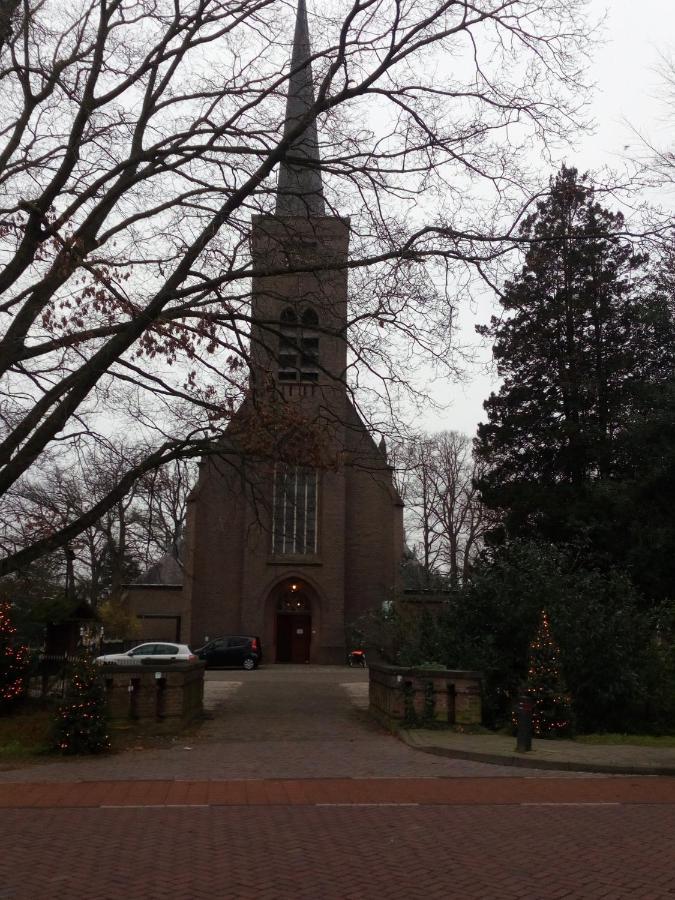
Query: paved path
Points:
[290, 791]
[617, 759]
[276, 722]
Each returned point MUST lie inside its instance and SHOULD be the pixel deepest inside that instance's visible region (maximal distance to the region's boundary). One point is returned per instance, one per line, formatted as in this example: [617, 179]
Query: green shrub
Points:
[621, 678]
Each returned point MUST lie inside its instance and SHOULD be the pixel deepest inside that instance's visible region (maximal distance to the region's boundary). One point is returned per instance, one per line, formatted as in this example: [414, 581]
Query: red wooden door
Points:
[284, 625]
[301, 636]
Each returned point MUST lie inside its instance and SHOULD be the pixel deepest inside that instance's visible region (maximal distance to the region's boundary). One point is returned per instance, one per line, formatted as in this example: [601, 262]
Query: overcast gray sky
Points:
[627, 90]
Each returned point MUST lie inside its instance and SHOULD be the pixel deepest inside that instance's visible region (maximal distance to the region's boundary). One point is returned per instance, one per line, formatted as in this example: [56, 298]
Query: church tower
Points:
[300, 342]
[300, 536]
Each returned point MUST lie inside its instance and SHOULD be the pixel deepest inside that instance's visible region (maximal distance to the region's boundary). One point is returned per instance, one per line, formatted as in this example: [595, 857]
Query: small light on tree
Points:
[552, 708]
[81, 722]
[14, 660]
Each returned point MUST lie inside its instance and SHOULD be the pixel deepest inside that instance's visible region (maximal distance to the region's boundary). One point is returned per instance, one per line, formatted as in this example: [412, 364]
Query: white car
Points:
[155, 652]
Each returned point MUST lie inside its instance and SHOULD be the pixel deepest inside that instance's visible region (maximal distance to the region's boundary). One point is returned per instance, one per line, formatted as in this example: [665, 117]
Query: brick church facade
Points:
[294, 543]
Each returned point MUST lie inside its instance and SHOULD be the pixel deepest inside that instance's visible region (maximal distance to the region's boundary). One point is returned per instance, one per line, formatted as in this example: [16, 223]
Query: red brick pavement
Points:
[473, 852]
[337, 791]
[243, 815]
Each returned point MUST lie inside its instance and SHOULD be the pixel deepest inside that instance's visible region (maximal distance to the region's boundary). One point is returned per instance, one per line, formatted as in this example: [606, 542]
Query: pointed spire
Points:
[299, 190]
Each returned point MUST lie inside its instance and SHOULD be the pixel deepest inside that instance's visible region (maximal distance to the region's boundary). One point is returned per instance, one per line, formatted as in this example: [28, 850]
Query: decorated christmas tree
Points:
[14, 658]
[552, 708]
[81, 721]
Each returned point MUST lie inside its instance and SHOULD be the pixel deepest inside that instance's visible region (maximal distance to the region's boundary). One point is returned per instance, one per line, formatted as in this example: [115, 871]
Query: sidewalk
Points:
[621, 759]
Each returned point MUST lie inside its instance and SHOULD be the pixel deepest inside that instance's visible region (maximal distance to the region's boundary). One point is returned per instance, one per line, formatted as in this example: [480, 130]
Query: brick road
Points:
[326, 853]
[461, 791]
[290, 792]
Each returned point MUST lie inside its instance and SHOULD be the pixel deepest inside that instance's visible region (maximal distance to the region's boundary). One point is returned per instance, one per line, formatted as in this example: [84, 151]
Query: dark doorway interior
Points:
[294, 634]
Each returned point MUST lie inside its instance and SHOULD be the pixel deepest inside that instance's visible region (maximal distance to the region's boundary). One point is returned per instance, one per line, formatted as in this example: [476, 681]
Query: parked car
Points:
[156, 652]
[232, 650]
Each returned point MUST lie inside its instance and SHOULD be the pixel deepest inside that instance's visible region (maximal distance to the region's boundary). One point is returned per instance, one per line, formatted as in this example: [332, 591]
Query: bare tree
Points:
[133, 534]
[462, 516]
[137, 141]
[661, 159]
[444, 513]
[420, 493]
[162, 509]
[96, 561]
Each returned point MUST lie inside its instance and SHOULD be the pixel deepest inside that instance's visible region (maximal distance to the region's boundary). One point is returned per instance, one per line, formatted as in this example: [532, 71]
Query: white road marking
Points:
[366, 804]
[154, 806]
[580, 803]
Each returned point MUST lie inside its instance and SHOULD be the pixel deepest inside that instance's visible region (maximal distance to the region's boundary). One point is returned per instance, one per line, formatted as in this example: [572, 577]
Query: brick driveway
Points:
[276, 722]
[279, 721]
[289, 791]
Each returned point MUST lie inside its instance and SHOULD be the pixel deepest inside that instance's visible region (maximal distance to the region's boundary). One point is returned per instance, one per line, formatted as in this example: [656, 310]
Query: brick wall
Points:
[162, 611]
[160, 694]
[401, 697]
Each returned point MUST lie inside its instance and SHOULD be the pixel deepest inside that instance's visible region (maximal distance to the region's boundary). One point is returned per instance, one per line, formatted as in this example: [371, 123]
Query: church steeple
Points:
[299, 189]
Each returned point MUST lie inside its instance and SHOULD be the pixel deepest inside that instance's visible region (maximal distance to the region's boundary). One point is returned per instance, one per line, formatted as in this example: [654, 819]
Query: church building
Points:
[299, 531]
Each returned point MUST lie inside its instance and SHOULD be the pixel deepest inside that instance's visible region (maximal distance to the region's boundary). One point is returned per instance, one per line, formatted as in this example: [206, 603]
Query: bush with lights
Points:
[81, 721]
[552, 708]
[14, 660]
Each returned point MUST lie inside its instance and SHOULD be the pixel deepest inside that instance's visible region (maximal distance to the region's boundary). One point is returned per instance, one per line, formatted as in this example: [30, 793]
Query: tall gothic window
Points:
[298, 346]
[294, 511]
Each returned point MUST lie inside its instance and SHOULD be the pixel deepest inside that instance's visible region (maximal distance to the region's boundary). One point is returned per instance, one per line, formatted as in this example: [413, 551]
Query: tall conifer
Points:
[586, 351]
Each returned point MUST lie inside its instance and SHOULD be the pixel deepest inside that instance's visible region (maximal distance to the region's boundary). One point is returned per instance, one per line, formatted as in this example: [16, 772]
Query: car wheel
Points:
[249, 663]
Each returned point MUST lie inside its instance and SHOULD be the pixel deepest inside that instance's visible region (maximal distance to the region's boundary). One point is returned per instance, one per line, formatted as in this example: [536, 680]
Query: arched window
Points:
[294, 511]
[288, 345]
[310, 318]
[298, 345]
[288, 317]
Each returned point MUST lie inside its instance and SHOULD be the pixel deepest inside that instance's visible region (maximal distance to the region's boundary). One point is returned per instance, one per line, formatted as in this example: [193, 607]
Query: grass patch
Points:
[469, 729]
[25, 735]
[26, 732]
[637, 740]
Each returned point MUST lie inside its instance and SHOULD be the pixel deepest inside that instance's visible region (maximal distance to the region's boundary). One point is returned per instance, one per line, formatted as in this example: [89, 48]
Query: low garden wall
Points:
[164, 693]
[420, 697]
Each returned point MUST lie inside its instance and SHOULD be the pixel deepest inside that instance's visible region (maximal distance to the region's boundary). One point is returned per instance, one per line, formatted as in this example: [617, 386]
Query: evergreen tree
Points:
[81, 722]
[551, 714]
[586, 350]
[14, 659]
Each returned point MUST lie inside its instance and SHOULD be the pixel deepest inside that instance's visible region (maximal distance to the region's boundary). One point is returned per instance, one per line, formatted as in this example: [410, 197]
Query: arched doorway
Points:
[293, 624]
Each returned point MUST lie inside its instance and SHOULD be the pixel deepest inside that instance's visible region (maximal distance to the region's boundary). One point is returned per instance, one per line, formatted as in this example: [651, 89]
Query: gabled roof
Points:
[166, 571]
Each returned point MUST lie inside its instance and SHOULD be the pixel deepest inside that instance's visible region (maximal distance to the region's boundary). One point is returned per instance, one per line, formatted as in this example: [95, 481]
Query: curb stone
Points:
[526, 760]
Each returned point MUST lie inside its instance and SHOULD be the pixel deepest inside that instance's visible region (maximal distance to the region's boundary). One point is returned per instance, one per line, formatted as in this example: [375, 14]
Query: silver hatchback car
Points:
[155, 652]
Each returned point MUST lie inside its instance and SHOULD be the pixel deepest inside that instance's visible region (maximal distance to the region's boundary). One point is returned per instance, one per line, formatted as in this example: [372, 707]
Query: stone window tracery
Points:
[294, 513]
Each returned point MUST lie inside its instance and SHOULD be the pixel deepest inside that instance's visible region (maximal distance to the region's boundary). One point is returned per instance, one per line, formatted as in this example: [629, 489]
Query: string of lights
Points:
[551, 703]
[14, 660]
[81, 722]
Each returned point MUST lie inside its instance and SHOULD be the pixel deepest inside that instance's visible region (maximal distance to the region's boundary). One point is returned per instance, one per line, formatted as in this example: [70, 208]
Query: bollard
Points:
[524, 723]
[134, 697]
[160, 683]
